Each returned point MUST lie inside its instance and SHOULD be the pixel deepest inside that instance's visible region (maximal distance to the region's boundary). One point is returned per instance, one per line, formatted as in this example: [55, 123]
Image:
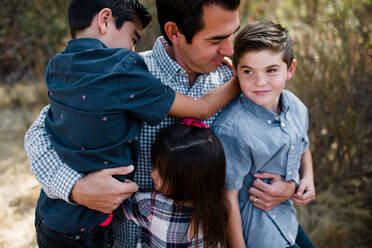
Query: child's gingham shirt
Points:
[57, 178]
[163, 222]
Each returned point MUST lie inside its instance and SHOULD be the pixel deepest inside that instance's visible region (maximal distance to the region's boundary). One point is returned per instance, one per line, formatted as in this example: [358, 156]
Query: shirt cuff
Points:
[64, 181]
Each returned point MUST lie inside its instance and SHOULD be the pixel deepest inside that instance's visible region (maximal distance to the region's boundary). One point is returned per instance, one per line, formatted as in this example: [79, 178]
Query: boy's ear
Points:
[104, 19]
[173, 33]
[291, 69]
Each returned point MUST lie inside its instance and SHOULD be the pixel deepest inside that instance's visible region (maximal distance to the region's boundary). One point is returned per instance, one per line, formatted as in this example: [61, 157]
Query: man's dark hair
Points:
[188, 14]
[81, 13]
[263, 35]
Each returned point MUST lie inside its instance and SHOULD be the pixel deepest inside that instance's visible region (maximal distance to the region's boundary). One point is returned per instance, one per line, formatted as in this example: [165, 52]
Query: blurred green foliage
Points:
[30, 33]
[333, 48]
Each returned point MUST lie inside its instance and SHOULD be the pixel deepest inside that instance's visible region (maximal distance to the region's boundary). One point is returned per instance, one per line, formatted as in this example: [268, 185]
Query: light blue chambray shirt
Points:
[258, 140]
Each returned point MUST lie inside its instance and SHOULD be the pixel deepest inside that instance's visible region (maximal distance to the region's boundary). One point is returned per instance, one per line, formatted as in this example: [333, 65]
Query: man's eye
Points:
[215, 42]
[247, 71]
[271, 70]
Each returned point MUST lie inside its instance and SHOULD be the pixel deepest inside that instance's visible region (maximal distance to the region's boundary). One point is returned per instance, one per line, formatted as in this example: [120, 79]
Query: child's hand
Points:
[227, 61]
[305, 192]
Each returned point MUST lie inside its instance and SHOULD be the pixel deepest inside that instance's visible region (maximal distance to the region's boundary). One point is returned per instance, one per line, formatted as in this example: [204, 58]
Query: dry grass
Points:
[19, 190]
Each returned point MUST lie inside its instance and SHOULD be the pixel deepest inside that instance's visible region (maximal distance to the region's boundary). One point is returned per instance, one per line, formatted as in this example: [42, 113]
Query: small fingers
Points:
[300, 190]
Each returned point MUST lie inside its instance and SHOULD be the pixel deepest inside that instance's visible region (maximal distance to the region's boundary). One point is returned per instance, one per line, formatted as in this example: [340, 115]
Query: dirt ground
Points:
[19, 190]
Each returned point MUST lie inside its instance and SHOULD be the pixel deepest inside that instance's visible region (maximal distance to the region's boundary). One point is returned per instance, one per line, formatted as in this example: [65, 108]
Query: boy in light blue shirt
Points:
[264, 130]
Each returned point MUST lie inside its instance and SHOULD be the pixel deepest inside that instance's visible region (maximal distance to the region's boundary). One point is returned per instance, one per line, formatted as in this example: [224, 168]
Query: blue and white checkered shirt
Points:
[57, 178]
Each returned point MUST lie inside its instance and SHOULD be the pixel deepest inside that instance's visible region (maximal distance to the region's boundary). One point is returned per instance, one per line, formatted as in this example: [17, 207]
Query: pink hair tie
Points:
[194, 122]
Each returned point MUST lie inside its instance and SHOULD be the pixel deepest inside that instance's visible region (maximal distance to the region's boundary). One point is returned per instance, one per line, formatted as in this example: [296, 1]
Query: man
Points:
[197, 36]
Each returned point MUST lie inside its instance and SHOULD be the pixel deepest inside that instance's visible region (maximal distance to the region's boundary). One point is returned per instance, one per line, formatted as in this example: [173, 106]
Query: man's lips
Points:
[217, 61]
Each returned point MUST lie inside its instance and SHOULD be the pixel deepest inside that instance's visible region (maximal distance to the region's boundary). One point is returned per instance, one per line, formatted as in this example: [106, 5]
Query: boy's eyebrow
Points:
[221, 37]
[269, 66]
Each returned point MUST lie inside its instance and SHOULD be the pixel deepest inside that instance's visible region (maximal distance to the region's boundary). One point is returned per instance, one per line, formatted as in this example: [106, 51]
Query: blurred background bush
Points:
[333, 48]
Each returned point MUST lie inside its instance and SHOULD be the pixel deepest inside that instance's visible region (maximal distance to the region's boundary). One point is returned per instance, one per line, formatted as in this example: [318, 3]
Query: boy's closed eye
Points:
[136, 38]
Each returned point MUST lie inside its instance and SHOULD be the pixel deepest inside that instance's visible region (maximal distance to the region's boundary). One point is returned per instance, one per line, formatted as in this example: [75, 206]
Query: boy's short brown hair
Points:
[263, 35]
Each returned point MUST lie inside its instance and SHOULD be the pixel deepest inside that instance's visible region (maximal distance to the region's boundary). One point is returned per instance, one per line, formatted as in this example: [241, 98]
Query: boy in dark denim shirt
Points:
[100, 91]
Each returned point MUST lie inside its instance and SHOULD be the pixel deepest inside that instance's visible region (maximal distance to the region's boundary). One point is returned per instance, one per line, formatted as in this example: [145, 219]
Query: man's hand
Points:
[305, 192]
[267, 196]
[100, 191]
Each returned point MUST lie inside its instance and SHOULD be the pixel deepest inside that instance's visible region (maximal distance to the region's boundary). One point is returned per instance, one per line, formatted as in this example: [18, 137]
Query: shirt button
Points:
[273, 216]
[269, 122]
[283, 125]
[77, 237]
[276, 118]
[292, 147]
[289, 173]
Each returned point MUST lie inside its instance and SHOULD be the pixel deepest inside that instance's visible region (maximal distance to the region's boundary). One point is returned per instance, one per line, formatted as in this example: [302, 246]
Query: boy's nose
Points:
[260, 80]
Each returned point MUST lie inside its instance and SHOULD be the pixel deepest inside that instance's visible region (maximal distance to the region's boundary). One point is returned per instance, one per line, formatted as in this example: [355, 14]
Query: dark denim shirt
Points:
[98, 100]
[258, 140]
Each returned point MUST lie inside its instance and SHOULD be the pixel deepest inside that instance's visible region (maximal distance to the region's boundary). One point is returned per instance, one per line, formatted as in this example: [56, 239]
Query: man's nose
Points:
[226, 48]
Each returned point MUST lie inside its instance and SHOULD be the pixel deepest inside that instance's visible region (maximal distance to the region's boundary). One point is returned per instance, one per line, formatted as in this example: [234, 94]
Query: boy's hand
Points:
[305, 192]
[227, 61]
[267, 196]
[100, 191]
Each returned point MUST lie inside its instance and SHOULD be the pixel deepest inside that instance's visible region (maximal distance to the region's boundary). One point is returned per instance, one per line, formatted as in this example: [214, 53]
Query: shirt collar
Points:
[82, 44]
[168, 65]
[263, 113]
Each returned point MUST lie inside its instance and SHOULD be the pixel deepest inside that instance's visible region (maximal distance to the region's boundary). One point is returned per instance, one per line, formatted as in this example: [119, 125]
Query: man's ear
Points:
[104, 20]
[291, 69]
[173, 33]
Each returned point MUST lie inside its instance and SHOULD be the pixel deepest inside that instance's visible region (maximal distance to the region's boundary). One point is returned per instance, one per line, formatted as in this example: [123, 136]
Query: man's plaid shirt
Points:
[58, 179]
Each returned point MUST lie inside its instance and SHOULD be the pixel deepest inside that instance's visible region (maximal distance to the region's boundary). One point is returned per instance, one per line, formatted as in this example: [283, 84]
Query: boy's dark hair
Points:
[187, 14]
[81, 13]
[192, 164]
[263, 35]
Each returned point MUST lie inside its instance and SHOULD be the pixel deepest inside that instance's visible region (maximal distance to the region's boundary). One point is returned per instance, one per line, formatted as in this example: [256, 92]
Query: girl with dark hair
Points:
[188, 207]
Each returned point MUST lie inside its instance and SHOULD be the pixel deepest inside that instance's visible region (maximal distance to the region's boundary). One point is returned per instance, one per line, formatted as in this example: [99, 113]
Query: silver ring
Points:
[255, 199]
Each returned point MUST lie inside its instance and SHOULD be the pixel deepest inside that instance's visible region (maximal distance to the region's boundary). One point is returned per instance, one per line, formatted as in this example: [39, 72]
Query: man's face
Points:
[262, 76]
[211, 44]
[125, 37]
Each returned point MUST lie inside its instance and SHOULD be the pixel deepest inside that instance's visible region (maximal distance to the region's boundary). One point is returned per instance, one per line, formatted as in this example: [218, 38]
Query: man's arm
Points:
[306, 191]
[204, 107]
[235, 230]
[270, 195]
[97, 191]
[56, 178]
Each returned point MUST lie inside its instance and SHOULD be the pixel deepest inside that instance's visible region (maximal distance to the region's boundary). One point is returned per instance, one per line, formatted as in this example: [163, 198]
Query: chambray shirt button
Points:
[289, 173]
[276, 118]
[283, 125]
[273, 216]
[269, 122]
